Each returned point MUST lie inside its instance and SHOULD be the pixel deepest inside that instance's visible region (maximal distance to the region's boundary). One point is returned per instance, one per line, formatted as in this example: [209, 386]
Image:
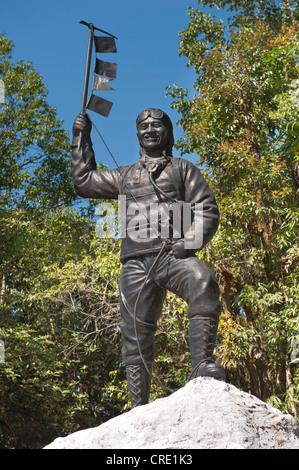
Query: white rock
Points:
[205, 414]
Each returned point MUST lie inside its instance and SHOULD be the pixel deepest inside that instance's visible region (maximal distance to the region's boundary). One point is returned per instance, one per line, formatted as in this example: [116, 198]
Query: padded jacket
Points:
[179, 179]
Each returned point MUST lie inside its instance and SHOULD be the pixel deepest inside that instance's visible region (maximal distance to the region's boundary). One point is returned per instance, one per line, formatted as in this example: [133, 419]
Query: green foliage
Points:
[172, 364]
[242, 123]
[34, 148]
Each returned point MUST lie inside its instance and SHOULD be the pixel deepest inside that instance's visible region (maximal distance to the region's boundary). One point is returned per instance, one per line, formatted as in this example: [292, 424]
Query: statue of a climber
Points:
[165, 263]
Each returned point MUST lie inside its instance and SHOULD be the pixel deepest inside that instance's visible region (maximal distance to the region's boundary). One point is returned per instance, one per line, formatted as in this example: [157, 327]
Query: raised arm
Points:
[88, 181]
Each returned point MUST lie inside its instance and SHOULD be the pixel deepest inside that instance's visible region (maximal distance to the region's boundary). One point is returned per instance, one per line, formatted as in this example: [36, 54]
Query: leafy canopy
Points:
[241, 120]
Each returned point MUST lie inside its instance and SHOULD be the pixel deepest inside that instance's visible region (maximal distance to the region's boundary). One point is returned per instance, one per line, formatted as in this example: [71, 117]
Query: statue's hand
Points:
[82, 124]
[179, 250]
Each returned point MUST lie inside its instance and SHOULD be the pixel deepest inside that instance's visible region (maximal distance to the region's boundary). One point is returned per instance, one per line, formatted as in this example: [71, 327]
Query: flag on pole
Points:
[107, 69]
[104, 44]
[99, 105]
[104, 72]
[99, 83]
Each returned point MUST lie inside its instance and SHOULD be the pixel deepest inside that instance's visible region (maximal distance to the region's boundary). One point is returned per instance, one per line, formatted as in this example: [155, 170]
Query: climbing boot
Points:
[139, 383]
[202, 339]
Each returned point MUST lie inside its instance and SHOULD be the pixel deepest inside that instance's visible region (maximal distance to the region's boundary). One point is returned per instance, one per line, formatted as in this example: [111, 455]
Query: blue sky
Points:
[49, 34]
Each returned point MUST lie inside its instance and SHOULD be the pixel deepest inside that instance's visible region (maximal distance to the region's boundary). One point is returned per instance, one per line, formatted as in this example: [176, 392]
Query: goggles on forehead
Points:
[154, 113]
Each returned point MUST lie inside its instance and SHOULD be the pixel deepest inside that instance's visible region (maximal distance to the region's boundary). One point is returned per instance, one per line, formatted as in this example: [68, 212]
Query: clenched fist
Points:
[82, 124]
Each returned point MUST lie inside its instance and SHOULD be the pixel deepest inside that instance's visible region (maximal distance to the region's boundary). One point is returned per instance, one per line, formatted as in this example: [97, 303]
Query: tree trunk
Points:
[258, 371]
[3, 289]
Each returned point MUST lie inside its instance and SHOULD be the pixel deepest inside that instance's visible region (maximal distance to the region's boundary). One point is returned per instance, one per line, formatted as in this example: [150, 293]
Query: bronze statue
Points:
[153, 265]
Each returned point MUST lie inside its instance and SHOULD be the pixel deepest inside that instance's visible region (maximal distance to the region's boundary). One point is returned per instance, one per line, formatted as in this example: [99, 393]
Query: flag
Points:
[99, 83]
[107, 69]
[99, 105]
[104, 44]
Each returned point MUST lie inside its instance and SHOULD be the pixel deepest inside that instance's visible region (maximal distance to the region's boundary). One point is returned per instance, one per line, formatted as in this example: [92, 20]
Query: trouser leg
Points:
[194, 282]
[138, 326]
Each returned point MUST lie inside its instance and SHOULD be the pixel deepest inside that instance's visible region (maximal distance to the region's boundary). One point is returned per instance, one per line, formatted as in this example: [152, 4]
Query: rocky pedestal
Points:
[205, 414]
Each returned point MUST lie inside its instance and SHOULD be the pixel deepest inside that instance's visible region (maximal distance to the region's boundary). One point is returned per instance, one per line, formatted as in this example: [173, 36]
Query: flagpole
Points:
[87, 68]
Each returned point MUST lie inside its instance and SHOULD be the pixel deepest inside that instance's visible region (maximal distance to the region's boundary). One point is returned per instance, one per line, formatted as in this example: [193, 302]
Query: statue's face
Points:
[152, 134]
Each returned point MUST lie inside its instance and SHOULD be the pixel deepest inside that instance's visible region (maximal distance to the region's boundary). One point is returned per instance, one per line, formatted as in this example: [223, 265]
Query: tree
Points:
[34, 156]
[238, 121]
[37, 227]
